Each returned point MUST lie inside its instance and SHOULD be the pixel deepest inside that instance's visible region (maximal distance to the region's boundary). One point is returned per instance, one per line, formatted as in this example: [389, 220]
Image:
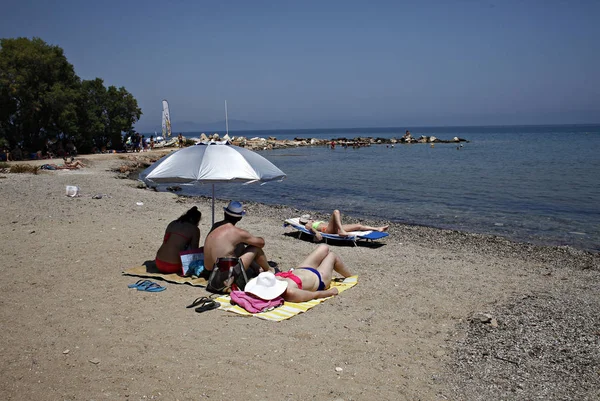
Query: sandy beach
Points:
[436, 315]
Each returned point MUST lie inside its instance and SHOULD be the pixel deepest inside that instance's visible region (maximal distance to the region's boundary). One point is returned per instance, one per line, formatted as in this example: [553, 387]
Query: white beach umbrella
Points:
[210, 164]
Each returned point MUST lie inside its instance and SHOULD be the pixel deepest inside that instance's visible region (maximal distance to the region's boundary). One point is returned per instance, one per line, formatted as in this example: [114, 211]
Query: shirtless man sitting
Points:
[335, 226]
[73, 164]
[225, 240]
[309, 281]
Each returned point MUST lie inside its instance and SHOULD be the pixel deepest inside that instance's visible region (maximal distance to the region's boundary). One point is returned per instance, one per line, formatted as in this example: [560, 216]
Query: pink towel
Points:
[254, 304]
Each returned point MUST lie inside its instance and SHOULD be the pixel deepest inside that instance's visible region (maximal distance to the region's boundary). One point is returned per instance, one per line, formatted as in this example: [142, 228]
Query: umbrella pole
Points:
[213, 205]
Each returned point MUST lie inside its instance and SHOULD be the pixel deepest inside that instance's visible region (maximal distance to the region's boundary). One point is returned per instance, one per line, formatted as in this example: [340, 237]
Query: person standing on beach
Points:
[137, 142]
[7, 155]
[225, 240]
[335, 226]
[180, 140]
[181, 234]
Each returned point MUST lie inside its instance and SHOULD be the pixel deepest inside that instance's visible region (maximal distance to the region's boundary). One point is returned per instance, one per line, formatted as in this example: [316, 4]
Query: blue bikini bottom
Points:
[321, 283]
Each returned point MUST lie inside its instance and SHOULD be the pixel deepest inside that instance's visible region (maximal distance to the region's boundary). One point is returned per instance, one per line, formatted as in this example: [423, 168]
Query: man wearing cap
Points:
[225, 240]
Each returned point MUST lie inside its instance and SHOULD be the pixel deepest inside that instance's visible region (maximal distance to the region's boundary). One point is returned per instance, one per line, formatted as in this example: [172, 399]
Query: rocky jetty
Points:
[259, 143]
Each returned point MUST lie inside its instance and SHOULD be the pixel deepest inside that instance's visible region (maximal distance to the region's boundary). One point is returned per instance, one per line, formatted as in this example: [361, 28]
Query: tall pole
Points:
[226, 120]
[213, 206]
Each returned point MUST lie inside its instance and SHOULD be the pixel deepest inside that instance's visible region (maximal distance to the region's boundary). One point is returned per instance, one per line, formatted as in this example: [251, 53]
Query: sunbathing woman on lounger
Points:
[335, 226]
[309, 281]
[180, 235]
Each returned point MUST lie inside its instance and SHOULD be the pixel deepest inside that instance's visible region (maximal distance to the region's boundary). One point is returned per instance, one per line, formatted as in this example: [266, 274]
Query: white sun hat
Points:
[304, 218]
[266, 286]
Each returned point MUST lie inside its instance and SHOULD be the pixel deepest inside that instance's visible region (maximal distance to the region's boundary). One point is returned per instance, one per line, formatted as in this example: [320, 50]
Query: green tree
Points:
[42, 99]
[123, 112]
[104, 114]
[38, 87]
[92, 115]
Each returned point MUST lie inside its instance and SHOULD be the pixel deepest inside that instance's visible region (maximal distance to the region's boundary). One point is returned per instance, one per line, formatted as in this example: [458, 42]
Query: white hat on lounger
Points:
[266, 286]
[304, 218]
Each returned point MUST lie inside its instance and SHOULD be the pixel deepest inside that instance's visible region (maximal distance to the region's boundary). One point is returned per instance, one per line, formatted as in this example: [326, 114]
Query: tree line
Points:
[44, 103]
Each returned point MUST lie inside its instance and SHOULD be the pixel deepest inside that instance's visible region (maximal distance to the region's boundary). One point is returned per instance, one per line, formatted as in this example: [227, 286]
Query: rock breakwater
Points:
[258, 143]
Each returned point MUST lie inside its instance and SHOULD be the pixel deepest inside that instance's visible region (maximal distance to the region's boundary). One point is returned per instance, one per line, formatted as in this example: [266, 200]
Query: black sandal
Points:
[208, 305]
[198, 301]
[275, 266]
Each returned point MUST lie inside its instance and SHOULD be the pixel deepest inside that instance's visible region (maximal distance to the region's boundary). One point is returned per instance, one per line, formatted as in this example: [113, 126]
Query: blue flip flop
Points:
[140, 283]
[152, 287]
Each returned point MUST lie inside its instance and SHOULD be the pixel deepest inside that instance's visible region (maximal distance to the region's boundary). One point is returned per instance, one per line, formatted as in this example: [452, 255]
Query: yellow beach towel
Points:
[149, 270]
[288, 309]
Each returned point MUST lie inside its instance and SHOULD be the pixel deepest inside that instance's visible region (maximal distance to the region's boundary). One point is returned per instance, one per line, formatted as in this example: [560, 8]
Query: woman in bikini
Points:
[335, 226]
[312, 279]
[180, 235]
[72, 165]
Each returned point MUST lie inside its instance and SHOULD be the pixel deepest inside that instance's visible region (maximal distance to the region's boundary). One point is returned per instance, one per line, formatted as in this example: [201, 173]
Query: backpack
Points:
[227, 275]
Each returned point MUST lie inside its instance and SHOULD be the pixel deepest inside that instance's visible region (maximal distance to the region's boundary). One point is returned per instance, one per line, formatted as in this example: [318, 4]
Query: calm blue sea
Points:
[538, 184]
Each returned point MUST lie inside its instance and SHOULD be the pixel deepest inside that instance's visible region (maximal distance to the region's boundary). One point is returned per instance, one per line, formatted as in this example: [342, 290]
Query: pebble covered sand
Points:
[437, 314]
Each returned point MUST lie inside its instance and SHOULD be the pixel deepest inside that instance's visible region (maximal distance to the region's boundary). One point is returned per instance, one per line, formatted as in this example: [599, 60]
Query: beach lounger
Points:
[353, 237]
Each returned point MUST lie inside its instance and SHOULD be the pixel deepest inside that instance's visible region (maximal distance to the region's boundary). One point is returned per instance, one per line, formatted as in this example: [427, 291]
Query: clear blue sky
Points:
[321, 64]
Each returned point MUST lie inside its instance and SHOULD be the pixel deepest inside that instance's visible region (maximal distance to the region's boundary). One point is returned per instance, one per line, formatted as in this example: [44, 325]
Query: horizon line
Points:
[406, 127]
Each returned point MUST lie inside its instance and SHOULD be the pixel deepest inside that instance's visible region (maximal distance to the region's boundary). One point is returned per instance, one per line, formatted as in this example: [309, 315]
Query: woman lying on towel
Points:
[72, 165]
[309, 281]
[180, 235]
[334, 226]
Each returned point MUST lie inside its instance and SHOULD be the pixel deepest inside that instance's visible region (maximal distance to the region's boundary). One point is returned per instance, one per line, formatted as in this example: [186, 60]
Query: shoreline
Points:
[269, 143]
[428, 236]
[409, 330]
[133, 163]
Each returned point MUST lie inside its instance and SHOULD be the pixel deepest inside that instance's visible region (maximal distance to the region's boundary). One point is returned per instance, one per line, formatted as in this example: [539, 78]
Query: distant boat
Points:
[166, 120]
